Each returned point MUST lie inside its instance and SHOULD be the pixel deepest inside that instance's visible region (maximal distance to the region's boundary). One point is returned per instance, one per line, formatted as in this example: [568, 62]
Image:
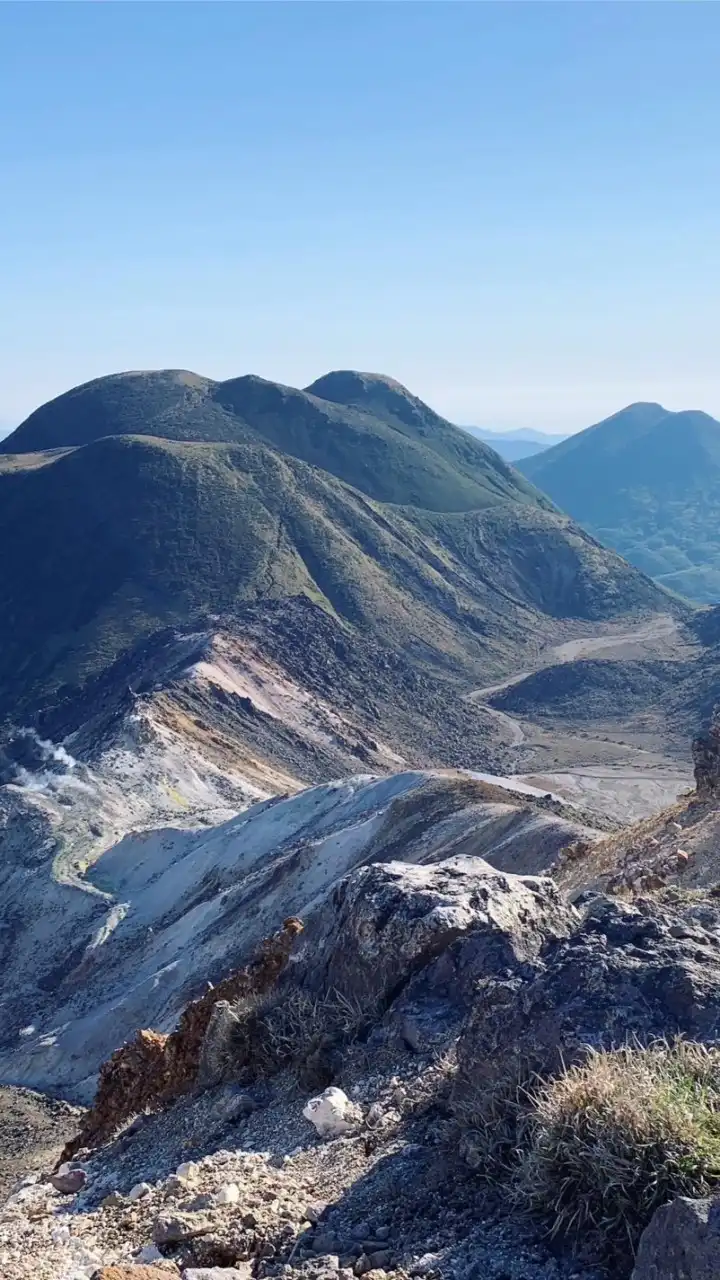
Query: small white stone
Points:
[229, 1194]
[189, 1170]
[149, 1253]
[139, 1190]
[332, 1113]
[428, 1262]
[241, 1271]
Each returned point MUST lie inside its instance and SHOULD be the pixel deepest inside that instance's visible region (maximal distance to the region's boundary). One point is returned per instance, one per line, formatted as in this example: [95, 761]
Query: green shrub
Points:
[611, 1140]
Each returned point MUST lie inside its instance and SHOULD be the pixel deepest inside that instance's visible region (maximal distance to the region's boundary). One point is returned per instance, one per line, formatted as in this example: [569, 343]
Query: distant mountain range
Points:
[142, 500]
[513, 445]
[647, 483]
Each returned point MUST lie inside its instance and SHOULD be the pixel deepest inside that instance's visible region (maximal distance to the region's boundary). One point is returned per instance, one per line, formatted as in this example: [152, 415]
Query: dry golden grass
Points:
[610, 1141]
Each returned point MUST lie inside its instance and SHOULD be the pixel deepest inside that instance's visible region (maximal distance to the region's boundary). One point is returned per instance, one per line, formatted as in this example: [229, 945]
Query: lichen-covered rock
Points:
[629, 972]
[682, 1242]
[453, 921]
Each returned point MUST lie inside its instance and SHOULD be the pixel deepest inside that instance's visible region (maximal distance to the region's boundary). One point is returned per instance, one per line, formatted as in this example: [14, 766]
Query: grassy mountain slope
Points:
[146, 500]
[392, 447]
[130, 533]
[646, 482]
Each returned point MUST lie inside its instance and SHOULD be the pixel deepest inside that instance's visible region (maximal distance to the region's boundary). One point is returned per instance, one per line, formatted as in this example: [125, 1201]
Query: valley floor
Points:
[623, 767]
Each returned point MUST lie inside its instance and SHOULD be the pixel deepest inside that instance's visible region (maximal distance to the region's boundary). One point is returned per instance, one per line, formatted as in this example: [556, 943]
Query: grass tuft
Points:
[294, 1029]
[611, 1140]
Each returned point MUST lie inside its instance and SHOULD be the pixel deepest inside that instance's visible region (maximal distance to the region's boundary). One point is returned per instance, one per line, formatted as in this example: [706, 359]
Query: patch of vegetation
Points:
[294, 1029]
[611, 1140]
[130, 534]
[494, 1124]
[594, 1152]
[395, 449]
[646, 483]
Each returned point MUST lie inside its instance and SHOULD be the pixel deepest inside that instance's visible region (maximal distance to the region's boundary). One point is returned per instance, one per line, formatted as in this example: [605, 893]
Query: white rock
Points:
[61, 1234]
[149, 1253]
[139, 1190]
[241, 1271]
[229, 1194]
[428, 1262]
[189, 1170]
[332, 1113]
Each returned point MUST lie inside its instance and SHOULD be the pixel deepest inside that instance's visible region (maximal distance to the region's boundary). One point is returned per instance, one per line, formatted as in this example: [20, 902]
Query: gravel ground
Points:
[264, 1194]
[33, 1132]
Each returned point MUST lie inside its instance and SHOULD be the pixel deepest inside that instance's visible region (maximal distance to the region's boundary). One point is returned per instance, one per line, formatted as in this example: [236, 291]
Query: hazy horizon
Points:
[509, 208]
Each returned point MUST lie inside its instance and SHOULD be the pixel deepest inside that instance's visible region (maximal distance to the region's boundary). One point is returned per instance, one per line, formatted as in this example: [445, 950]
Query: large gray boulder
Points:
[628, 972]
[420, 937]
[682, 1242]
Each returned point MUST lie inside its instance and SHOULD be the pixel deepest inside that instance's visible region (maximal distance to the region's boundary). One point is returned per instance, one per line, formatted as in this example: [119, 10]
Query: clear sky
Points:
[512, 208]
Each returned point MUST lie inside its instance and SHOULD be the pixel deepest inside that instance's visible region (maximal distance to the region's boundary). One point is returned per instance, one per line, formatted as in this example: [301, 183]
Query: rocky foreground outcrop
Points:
[410, 943]
[383, 924]
[681, 1243]
[630, 972]
[92, 958]
[412, 991]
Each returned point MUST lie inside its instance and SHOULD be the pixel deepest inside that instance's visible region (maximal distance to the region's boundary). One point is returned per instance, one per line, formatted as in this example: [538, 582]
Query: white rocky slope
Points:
[89, 958]
[447, 974]
[257, 1187]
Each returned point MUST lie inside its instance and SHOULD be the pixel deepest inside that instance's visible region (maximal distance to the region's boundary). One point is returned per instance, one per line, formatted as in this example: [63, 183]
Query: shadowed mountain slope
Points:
[647, 483]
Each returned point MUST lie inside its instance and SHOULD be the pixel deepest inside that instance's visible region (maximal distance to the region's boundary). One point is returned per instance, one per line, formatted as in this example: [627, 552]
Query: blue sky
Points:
[513, 208]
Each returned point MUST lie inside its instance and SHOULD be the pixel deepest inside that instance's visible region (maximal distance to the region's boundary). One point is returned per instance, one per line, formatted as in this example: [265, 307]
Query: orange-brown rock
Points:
[136, 1272]
[153, 1069]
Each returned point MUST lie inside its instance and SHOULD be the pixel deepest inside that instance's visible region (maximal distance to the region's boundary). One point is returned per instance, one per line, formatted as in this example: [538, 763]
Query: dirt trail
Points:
[638, 785]
[661, 627]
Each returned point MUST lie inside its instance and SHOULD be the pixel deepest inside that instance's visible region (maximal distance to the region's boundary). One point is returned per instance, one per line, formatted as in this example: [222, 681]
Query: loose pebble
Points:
[139, 1191]
[229, 1194]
